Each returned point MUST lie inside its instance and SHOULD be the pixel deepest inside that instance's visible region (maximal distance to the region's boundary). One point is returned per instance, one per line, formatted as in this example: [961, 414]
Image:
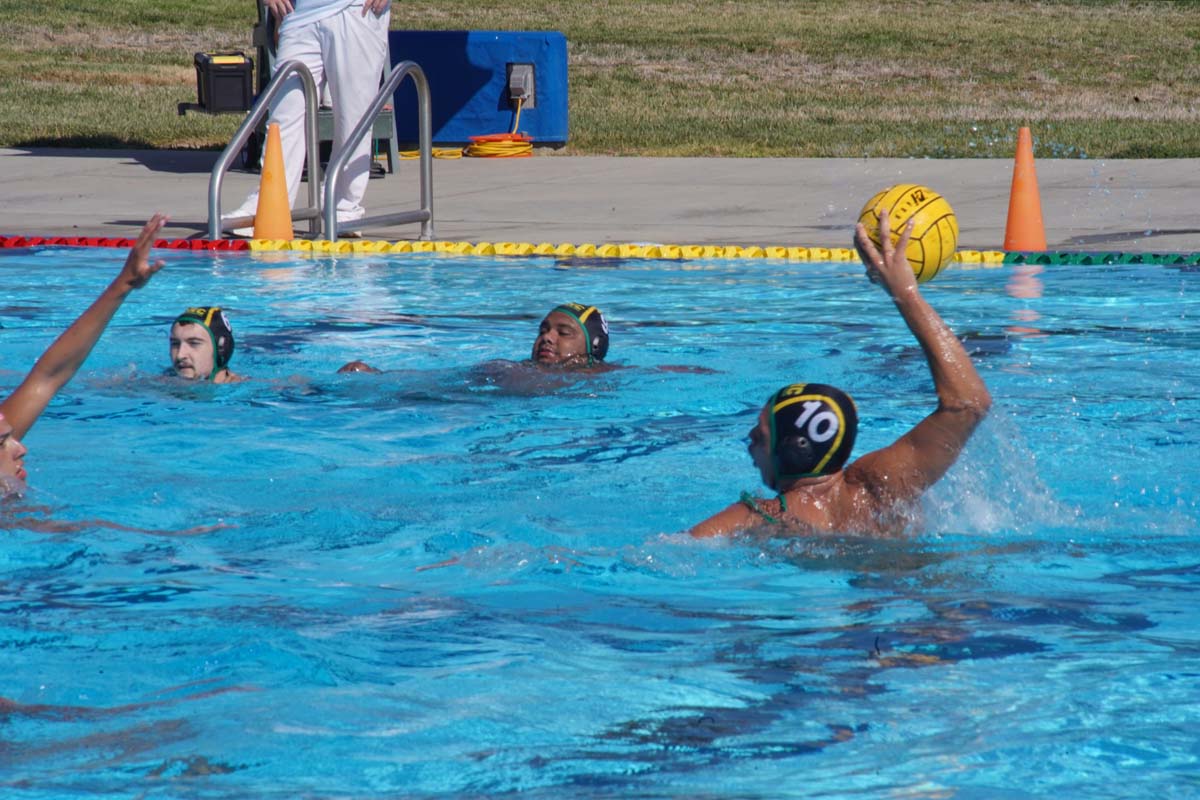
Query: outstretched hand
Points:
[138, 269]
[889, 269]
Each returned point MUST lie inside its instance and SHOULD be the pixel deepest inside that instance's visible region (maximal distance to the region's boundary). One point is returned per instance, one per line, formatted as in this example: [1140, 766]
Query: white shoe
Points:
[350, 216]
[247, 209]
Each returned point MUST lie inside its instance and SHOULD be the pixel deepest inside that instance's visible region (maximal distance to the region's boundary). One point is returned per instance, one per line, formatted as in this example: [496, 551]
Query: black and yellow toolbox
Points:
[224, 83]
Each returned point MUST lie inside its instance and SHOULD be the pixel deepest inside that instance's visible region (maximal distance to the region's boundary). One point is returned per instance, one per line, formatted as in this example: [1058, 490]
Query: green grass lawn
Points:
[675, 78]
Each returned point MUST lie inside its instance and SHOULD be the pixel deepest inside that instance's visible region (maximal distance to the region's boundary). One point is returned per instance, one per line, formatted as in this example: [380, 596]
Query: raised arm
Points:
[920, 457]
[62, 359]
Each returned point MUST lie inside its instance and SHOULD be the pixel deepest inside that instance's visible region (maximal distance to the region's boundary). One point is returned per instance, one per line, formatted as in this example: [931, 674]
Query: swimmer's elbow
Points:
[974, 406]
[979, 404]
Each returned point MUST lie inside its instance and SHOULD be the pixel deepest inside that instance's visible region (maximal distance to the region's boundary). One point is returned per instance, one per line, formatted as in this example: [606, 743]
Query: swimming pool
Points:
[1038, 640]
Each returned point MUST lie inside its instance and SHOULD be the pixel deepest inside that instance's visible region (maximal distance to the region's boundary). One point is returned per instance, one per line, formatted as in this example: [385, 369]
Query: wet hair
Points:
[593, 325]
[213, 319]
[812, 430]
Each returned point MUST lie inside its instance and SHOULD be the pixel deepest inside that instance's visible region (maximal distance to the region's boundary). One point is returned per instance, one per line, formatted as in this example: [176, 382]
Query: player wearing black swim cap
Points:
[812, 430]
[202, 344]
[572, 334]
[803, 436]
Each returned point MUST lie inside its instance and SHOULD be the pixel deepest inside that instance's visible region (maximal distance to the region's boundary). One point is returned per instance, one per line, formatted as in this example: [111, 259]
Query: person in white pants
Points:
[344, 43]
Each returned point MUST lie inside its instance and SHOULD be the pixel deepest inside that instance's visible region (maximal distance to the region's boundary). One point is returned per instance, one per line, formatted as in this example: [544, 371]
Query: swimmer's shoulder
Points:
[732, 519]
[600, 368]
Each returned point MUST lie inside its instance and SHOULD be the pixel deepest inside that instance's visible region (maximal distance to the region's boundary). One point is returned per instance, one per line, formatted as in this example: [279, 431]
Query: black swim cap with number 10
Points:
[812, 430]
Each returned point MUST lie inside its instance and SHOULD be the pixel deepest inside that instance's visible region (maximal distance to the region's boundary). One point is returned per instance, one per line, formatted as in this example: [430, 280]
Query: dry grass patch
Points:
[734, 77]
[163, 77]
[96, 42]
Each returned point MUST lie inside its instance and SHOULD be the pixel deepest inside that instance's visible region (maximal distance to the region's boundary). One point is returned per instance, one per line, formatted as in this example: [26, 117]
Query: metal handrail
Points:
[312, 212]
[338, 160]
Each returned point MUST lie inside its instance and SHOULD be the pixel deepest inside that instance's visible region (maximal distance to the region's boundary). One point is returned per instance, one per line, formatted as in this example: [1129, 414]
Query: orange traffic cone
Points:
[273, 217]
[1024, 231]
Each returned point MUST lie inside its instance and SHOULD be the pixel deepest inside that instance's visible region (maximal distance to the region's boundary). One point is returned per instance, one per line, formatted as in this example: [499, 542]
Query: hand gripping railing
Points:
[311, 101]
[337, 161]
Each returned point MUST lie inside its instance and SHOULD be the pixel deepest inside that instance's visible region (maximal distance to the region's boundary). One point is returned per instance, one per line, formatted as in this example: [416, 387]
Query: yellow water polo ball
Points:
[935, 228]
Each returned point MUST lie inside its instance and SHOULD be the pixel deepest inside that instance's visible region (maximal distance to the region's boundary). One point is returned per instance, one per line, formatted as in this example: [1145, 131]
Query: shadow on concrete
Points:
[1124, 236]
[175, 226]
[169, 161]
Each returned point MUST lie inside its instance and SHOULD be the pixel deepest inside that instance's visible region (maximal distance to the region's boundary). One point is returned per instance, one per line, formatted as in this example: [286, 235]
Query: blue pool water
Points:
[1038, 638]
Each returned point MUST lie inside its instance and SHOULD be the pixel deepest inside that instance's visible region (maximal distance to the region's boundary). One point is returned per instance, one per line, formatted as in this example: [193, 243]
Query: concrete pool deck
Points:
[1087, 205]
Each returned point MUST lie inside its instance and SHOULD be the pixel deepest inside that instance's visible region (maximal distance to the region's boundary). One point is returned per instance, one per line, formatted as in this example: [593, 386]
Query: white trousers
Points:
[347, 51]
